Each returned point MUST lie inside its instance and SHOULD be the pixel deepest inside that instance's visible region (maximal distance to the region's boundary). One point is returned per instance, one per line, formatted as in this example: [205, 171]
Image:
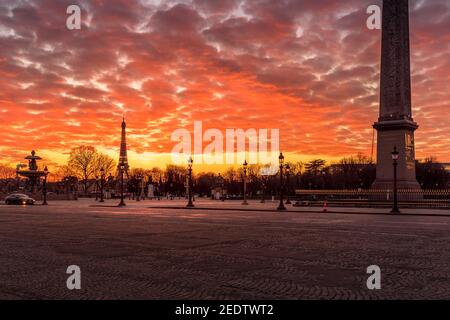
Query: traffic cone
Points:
[325, 206]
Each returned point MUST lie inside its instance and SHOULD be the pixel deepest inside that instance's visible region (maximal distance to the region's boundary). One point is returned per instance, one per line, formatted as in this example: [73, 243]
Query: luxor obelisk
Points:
[395, 125]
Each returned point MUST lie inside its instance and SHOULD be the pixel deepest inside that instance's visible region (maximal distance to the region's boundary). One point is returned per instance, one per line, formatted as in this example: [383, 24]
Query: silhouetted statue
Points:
[32, 163]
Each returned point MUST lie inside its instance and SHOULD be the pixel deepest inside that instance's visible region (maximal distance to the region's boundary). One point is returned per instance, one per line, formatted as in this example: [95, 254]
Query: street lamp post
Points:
[395, 156]
[122, 202]
[288, 172]
[245, 203]
[102, 184]
[281, 206]
[190, 163]
[44, 187]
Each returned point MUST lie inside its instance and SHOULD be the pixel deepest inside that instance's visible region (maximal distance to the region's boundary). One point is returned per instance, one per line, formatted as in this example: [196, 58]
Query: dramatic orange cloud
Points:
[308, 68]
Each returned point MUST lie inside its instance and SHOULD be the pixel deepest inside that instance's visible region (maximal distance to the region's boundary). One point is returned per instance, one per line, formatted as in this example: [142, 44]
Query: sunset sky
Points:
[307, 67]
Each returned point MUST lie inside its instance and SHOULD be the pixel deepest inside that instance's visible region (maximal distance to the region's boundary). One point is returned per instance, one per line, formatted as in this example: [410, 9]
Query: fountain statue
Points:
[32, 174]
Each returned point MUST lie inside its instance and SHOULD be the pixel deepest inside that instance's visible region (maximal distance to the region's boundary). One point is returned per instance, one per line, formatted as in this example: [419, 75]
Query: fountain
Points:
[33, 174]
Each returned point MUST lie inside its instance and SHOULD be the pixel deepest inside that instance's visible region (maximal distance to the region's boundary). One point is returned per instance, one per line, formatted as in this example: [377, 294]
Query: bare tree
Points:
[7, 172]
[230, 174]
[154, 174]
[431, 174]
[62, 172]
[297, 168]
[82, 163]
[105, 162]
[354, 172]
[86, 162]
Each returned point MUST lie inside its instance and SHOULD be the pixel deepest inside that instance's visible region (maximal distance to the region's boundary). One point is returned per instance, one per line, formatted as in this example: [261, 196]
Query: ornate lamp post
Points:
[288, 172]
[190, 163]
[281, 206]
[395, 155]
[44, 187]
[102, 184]
[245, 203]
[122, 202]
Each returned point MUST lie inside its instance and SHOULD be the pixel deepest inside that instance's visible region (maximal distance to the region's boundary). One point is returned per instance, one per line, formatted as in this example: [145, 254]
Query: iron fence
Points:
[375, 197]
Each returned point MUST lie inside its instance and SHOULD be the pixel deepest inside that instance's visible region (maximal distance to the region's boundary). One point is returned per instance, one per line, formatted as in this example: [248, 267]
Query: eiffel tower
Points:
[123, 158]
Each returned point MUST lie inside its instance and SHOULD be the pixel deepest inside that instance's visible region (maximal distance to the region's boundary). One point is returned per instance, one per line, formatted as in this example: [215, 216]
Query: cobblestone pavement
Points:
[152, 253]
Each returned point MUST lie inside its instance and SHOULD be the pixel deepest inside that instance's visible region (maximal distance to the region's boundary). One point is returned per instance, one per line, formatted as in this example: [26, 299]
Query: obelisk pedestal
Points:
[395, 126]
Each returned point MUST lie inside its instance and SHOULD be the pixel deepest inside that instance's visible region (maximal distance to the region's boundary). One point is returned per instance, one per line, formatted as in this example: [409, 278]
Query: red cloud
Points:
[309, 68]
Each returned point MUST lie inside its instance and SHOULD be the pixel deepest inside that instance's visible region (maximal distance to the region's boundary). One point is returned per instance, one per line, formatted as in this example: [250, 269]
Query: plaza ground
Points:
[160, 250]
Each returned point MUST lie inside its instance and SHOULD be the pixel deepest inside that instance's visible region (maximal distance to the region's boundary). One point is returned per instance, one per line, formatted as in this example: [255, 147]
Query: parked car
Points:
[19, 199]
